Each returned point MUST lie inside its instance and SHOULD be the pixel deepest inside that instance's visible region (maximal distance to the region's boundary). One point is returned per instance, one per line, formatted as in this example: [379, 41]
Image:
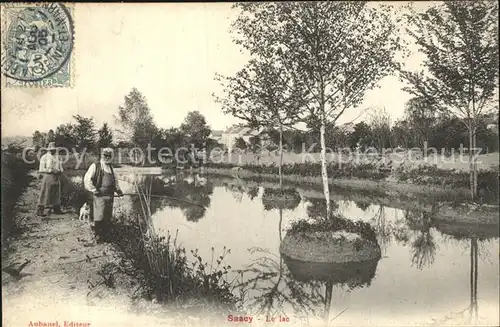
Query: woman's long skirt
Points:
[50, 194]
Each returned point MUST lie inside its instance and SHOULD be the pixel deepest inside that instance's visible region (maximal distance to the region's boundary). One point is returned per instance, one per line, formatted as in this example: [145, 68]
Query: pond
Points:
[427, 271]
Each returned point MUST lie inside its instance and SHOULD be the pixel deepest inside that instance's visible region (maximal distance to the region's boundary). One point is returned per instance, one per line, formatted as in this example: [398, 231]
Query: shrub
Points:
[335, 223]
[14, 180]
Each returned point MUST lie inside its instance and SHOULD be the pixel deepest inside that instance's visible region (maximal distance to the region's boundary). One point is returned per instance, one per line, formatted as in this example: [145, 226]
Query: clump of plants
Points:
[335, 223]
[170, 277]
[312, 169]
[14, 180]
[431, 175]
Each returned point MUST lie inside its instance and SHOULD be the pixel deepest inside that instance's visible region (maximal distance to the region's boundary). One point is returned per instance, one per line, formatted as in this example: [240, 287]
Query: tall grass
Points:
[15, 178]
[166, 260]
[169, 275]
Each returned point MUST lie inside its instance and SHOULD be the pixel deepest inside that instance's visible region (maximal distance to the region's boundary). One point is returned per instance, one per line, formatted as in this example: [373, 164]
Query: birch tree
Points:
[460, 75]
[336, 50]
[264, 95]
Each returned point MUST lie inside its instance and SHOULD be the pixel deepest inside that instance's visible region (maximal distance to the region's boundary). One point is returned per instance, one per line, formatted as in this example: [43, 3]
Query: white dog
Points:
[85, 213]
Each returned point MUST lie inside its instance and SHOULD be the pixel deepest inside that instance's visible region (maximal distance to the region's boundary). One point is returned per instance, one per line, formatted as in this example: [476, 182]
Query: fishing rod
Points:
[172, 198]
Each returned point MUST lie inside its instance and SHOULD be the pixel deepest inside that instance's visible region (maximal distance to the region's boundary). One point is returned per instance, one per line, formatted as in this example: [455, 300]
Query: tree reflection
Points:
[253, 192]
[382, 228]
[473, 309]
[198, 191]
[316, 209]
[424, 245]
[282, 283]
[362, 205]
[276, 288]
[286, 199]
[474, 235]
[194, 189]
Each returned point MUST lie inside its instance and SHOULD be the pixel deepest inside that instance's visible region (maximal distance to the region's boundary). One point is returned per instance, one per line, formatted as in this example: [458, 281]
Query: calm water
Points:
[426, 271]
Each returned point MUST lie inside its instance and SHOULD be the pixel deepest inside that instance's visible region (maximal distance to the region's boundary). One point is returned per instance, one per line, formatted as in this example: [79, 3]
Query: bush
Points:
[169, 276]
[14, 180]
[335, 223]
[309, 169]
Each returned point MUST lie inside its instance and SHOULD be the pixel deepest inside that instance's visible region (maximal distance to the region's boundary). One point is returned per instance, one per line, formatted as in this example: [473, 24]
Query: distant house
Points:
[229, 136]
[491, 122]
[347, 127]
[216, 135]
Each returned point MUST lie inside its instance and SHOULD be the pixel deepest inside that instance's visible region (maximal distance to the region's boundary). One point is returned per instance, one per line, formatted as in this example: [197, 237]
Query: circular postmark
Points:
[38, 42]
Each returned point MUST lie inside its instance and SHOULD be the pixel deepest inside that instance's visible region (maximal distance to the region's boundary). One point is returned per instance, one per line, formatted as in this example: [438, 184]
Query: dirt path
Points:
[66, 277]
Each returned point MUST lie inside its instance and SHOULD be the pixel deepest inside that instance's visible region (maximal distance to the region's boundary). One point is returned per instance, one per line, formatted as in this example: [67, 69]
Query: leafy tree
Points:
[265, 95]
[254, 143]
[174, 138]
[380, 125]
[105, 136]
[421, 115]
[195, 128]
[50, 136]
[65, 136]
[298, 139]
[335, 51]
[449, 133]
[39, 139]
[402, 135]
[136, 122]
[460, 42]
[239, 143]
[84, 132]
[361, 136]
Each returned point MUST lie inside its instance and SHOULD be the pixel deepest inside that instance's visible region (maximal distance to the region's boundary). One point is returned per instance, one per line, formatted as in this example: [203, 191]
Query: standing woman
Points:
[51, 169]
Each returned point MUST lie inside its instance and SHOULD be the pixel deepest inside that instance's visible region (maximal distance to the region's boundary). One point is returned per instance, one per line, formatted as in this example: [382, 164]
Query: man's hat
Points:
[107, 151]
[52, 146]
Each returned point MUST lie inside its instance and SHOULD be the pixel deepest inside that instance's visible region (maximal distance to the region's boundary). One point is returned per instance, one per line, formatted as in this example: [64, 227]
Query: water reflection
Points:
[421, 253]
[281, 283]
[473, 309]
[362, 205]
[181, 191]
[351, 274]
[275, 291]
[475, 235]
[274, 198]
[316, 207]
[424, 245]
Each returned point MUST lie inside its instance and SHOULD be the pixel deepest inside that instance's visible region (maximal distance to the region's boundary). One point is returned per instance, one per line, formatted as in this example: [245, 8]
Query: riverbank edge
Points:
[451, 205]
[34, 242]
[448, 205]
[388, 185]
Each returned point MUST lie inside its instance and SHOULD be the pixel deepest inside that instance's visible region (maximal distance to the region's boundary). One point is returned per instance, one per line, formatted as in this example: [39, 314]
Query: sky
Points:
[170, 52]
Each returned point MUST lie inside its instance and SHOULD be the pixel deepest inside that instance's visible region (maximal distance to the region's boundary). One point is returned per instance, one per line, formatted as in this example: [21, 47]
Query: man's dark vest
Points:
[97, 178]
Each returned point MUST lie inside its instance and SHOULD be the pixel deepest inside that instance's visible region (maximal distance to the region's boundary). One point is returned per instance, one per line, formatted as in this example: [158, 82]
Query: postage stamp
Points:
[37, 44]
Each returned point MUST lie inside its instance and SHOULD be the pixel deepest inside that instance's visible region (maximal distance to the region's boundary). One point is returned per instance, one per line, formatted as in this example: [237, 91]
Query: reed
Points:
[165, 258]
[170, 277]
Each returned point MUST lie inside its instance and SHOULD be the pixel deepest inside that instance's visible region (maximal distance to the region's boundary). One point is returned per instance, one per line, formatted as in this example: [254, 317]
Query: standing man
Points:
[101, 181]
[51, 169]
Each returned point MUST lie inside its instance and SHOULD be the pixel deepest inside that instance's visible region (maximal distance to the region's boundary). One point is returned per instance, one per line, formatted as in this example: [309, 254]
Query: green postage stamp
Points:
[37, 44]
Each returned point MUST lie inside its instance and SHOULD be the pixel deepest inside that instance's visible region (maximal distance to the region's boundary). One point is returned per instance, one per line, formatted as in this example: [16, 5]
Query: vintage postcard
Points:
[261, 164]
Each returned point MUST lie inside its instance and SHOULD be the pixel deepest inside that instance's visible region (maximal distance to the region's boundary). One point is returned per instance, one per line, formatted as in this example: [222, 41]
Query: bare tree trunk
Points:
[280, 222]
[473, 309]
[324, 173]
[328, 301]
[281, 159]
[471, 165]
[474, 167]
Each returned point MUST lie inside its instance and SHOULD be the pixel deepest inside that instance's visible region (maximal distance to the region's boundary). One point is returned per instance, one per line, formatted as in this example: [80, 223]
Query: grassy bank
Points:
[167, 276]
[426, 181]
[15, 178]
